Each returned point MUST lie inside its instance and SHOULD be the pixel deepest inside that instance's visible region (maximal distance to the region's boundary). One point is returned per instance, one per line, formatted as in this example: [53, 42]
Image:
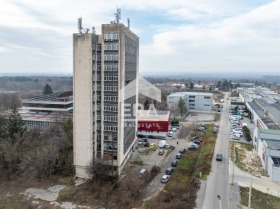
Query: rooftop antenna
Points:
[118, 15]
[128, 23]
[80, 27]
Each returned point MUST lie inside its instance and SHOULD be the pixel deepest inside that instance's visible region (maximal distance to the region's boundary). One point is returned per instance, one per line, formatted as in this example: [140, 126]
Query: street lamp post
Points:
[219, 199]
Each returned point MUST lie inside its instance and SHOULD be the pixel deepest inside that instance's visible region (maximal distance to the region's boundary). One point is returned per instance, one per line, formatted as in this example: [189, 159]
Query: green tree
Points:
[210, 88]
[47, 89]
[182, 106]
[15, 127]
[68, 129]
[203, 87]
[191, 85]
[2, 126]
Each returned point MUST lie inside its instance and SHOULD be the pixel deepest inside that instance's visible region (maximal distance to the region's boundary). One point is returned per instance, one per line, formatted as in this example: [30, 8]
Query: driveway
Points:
[162, 161]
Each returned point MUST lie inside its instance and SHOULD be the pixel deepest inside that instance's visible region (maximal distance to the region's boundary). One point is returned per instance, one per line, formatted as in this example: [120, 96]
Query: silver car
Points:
[165, 178]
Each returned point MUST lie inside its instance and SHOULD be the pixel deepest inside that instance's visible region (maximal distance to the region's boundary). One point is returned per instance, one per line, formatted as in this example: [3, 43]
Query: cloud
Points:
[177, 35]
[247, 41]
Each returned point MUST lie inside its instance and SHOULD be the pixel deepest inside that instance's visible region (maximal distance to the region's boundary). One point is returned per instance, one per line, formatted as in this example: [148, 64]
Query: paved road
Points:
[155, 185]
[218, 179]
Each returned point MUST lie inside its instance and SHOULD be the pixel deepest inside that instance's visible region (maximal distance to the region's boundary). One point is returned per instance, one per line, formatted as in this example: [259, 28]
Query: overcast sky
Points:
[175, 35]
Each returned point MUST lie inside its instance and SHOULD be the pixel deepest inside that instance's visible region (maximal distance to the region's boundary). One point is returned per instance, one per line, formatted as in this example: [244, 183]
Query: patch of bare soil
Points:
[184, 132]
[249, 160]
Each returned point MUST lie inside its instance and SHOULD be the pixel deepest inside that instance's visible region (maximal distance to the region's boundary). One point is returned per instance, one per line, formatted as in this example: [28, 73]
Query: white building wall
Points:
[82, 105]
[275, 176]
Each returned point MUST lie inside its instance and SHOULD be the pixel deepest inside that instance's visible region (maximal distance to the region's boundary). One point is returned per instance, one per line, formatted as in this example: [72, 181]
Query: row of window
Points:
[110, 67]
[110, 128]
[111, 57]
[111, 36]
[110, 118]
[110, 88]
[108, 137]
[111, 108]
[111, 46]
[110, 78]
[111, 98]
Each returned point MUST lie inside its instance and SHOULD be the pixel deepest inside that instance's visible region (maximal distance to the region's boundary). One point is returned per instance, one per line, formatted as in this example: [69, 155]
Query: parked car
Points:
[142, 172]
[192, 147]
[143, 140]
[196, 142]
[153, 145]
[171, 147]
[170, 134]
[173, 129]
[182, 151]
[165, 178]
[195, 137]
[219, 157]
[200, 128]
[169, 171]
[161, 152]
[179, 156]
[174, 163]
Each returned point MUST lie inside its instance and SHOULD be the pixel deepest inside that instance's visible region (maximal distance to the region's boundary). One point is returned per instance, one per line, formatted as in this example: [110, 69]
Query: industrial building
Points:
[195, 101]
[153, 123]
[265, 113]
[47, 109]
[105, 72]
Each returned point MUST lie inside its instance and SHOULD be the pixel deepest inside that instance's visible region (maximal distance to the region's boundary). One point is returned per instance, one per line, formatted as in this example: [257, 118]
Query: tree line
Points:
[40, 152]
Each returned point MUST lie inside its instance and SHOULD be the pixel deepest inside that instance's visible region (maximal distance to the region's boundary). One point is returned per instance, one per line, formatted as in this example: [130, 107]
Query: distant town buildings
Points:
[195, 101]
[104, 66]
[265, 113]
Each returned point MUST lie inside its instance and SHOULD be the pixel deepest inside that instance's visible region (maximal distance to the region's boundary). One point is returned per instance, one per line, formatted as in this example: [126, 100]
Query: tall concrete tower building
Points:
[105, 92]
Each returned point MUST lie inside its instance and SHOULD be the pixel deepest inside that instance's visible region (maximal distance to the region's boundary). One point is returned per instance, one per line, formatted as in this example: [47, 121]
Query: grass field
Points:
[259, 200]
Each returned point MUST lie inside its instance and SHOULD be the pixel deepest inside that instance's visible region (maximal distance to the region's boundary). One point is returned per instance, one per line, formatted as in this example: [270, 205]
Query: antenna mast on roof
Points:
[128, 23]
[80, 27]
[118, 15]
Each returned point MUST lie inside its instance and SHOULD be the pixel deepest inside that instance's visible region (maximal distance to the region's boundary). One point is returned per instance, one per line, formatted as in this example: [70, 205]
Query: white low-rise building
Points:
[195, 101]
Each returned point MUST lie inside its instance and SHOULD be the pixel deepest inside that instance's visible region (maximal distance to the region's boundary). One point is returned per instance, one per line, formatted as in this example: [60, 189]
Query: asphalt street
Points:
[218, 180]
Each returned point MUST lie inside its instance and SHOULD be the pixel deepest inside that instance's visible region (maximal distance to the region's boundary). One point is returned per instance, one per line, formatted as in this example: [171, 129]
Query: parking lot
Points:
[150, 157]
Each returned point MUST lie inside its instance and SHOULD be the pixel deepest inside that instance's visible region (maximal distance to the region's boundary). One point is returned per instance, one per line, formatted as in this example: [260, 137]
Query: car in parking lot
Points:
[219, 157]
[142, 172]
[200, 128]
[193, 147]
[165, 178]
[161, 152]
[174, 163]
[196, 142]
[182, 151]
[142, 139]
[170, 134]
[195, 137]
[169, 171]
[153, 145]
[179, 156]
[173, 129]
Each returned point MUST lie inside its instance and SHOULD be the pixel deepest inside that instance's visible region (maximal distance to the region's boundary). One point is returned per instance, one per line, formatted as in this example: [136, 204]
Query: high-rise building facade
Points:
[105, 92]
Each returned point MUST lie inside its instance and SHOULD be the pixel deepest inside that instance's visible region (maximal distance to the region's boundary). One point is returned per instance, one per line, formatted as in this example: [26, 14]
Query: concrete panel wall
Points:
[82, 91]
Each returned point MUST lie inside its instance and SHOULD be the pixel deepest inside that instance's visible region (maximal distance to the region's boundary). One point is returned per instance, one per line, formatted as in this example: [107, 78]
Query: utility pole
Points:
[250, 193]
[219, 199]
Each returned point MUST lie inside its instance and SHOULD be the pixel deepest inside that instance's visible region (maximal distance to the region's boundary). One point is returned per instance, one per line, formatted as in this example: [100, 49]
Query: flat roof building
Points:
[153, 123]
[195, 101]
[47, 109]
[104, 66]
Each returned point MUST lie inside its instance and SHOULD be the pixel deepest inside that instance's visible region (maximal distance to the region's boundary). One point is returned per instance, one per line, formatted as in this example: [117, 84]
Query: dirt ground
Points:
[248, 160]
